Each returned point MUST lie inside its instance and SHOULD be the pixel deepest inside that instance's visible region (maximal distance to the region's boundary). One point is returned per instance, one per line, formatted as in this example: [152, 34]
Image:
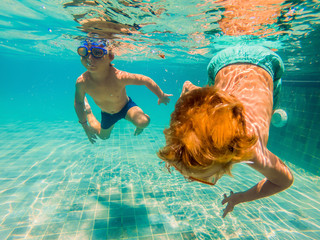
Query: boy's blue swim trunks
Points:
[107, 119]
[257, 55]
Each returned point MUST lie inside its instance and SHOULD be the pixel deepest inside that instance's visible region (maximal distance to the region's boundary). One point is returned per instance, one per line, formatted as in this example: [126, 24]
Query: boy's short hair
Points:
[207, 127]
[101, 42]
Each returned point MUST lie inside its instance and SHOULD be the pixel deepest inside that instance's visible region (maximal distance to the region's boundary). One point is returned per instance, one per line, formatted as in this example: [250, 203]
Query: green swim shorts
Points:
[257, 55]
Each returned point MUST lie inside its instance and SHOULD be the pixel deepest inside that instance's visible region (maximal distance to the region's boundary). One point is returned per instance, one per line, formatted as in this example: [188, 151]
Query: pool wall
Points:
[299, 141]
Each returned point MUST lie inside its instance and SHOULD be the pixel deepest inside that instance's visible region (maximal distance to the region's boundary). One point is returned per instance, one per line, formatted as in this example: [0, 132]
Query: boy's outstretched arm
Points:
[80, 110]
[137, 79]
[278, 178]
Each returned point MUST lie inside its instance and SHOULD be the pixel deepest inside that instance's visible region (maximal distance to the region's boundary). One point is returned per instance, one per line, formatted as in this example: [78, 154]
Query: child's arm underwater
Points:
[80, 110]
[137, 79]
[278, 178]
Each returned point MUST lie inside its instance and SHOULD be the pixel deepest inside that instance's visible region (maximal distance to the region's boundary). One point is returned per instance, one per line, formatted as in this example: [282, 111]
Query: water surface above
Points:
[178, 31]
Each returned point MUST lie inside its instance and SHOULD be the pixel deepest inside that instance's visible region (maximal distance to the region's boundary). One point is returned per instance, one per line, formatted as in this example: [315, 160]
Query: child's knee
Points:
[143, 121]
[104, 136]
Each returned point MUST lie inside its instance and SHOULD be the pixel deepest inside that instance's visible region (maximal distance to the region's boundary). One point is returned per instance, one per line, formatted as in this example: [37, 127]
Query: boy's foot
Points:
[138, 131]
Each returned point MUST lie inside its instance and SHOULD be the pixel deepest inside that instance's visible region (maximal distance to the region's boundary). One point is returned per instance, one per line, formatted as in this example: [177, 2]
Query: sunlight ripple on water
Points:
[190, 31]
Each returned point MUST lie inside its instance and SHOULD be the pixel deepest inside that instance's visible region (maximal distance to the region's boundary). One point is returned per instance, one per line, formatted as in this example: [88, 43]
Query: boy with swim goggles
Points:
[97, 49]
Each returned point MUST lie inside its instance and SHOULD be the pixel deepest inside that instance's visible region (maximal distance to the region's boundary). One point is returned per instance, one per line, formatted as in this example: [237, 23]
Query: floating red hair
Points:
[207, 127]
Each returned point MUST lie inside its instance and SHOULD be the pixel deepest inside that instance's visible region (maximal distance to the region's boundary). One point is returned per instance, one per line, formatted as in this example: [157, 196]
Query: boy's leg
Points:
[138, 118]
[105, 133]
[95, 124]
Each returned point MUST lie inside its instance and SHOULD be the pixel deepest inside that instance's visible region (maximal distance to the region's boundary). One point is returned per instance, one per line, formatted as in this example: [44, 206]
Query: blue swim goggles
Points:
[96, 50]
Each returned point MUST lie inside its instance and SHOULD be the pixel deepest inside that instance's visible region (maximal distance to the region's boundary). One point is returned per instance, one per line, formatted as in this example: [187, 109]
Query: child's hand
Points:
[165, 99]
[232, 200]
[187, 87]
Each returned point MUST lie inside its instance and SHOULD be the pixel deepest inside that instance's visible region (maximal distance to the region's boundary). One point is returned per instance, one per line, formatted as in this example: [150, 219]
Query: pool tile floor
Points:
[54, 184]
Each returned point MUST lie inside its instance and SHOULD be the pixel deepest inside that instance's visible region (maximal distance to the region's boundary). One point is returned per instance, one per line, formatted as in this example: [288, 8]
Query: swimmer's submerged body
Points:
[107, 87]
[213, 128]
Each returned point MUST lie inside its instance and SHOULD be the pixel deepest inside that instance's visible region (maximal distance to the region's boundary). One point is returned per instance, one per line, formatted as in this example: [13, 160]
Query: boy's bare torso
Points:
[110, 93]
[253, 86]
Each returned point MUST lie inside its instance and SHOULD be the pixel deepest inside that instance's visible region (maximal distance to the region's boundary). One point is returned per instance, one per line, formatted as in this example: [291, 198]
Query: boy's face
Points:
[94, 64]
[208, 176]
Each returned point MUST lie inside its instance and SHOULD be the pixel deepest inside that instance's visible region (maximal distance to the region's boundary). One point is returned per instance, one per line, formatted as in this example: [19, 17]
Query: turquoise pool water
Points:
[55, 185]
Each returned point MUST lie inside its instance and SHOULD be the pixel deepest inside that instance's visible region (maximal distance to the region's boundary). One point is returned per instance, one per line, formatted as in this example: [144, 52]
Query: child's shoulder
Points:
[122, 74]
[82, 78]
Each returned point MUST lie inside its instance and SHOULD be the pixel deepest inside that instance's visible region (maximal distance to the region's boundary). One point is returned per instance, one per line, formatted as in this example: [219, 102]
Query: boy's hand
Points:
[164, 99]
[91, 133]
[187, 87]
[232, 201]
